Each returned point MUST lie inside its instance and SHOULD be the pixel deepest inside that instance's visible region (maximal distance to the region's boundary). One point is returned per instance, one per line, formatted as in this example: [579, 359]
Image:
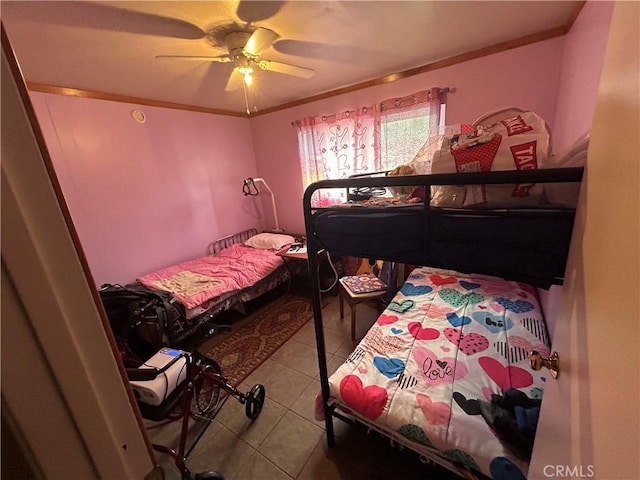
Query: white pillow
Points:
[269, 240]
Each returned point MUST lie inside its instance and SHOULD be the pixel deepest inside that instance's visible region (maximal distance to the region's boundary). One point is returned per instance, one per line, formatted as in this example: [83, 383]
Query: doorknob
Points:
[537, 361]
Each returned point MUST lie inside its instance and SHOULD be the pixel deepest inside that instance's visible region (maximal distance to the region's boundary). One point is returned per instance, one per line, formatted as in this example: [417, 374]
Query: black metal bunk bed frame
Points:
[426, 214]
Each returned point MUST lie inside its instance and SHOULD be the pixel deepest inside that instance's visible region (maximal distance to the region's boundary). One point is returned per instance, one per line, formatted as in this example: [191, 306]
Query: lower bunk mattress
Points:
[445, 371]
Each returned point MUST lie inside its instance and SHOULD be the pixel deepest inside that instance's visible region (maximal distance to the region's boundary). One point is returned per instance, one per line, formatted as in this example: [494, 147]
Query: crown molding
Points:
[78, 92]
[447, 62]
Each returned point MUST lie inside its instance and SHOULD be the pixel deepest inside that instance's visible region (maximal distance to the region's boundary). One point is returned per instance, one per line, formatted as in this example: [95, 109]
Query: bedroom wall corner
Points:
[144, 195]
[583, 57]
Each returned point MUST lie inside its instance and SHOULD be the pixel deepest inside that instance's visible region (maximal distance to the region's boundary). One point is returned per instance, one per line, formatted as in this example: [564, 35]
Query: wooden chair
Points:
[353, 299]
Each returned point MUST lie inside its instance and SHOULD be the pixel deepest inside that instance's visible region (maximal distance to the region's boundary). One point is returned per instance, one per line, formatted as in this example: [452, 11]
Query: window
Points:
[406, 126]
[367, 140]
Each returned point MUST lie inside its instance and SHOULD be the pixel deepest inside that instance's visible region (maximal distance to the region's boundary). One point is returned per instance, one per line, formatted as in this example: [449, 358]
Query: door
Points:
[589, 424]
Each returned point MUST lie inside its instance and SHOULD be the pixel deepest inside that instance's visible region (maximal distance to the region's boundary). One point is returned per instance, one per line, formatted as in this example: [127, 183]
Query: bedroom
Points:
[280, 159]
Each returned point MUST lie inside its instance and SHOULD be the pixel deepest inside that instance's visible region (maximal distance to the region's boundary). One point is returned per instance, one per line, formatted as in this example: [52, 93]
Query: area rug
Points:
[262, 334]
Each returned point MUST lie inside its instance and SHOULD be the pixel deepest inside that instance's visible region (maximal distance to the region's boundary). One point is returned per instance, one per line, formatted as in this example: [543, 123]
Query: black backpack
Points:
[142, 319]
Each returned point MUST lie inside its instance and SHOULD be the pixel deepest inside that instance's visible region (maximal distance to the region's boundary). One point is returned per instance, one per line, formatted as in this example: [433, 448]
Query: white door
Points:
[589, 424]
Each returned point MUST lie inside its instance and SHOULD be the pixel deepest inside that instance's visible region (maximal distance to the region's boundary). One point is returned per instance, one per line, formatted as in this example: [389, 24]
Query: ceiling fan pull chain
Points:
[246, 98]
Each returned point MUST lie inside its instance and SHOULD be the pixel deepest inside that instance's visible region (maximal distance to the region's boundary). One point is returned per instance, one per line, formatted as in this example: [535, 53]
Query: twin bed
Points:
[238, 269]
[445, 368]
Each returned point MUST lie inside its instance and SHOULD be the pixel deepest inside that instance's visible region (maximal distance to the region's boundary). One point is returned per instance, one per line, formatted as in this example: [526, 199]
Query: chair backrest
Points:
[369, 265]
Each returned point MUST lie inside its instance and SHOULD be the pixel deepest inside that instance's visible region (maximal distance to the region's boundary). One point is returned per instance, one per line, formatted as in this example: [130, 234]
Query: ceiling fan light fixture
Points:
[246, 72]
[244, 49]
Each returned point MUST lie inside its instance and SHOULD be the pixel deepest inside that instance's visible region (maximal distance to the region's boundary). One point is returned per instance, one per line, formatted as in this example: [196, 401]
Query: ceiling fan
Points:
[244, 48]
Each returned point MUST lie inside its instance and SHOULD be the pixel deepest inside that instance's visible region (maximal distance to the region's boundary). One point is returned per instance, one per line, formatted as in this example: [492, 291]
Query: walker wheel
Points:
[255, 401]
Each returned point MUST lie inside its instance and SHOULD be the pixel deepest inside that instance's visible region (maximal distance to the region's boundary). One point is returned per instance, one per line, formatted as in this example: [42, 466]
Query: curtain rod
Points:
[441, 90]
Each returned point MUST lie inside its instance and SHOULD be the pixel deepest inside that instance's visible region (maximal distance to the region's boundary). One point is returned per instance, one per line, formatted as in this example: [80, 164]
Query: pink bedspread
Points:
[196, 281]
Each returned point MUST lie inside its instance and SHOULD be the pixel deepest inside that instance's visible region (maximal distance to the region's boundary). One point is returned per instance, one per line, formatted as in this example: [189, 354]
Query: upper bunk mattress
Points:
[427, 369]
[522, 244]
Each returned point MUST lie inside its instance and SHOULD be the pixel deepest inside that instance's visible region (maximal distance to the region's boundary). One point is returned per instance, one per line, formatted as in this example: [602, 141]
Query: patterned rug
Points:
[262, 334]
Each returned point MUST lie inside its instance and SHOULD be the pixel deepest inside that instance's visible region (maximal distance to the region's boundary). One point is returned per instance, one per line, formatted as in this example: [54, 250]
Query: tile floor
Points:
[285, 442]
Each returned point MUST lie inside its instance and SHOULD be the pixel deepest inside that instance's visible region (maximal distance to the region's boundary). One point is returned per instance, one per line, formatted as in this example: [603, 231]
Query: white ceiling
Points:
[110, 47]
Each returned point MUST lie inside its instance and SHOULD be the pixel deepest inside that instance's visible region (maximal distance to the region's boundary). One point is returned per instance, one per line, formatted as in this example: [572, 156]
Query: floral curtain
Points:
[337, 146]
[367, 140]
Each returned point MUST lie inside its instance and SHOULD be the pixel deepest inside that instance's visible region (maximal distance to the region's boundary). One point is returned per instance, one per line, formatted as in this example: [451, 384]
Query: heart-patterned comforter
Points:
[446, 341]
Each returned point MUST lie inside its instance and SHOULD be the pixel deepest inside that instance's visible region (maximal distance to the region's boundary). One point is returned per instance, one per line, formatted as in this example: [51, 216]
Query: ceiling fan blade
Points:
[103, 17]
[285, 68]
[323, 51]
[260, 40]
[235, 81]
[251, 11]
[199, 58]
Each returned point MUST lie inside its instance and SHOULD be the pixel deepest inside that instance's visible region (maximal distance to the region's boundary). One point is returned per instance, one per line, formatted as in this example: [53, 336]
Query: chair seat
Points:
[353, 299]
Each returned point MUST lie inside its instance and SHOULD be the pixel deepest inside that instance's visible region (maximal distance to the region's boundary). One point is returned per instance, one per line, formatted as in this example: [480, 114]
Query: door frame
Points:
[64, 390]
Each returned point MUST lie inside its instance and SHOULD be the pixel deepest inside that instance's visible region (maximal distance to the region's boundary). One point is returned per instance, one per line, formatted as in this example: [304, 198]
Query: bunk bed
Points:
[239, 268]
[465, 312]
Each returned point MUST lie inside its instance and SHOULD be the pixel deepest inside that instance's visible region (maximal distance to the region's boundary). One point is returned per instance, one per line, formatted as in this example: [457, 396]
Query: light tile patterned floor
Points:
[285, 442]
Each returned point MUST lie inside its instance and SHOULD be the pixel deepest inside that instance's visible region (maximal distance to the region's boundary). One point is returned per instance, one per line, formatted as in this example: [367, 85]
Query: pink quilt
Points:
[444, 345]
[196, 281]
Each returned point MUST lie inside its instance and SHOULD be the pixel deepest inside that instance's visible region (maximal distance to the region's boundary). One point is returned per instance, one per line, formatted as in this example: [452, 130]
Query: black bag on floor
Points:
[142, 320]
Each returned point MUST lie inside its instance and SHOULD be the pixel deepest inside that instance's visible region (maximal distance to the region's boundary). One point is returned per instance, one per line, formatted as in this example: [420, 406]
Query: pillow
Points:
[269, 241]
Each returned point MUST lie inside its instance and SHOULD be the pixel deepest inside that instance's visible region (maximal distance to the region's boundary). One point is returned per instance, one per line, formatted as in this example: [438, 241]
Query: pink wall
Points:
[584, 49]
[583, 56]
[144, 196]
[527, 77]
